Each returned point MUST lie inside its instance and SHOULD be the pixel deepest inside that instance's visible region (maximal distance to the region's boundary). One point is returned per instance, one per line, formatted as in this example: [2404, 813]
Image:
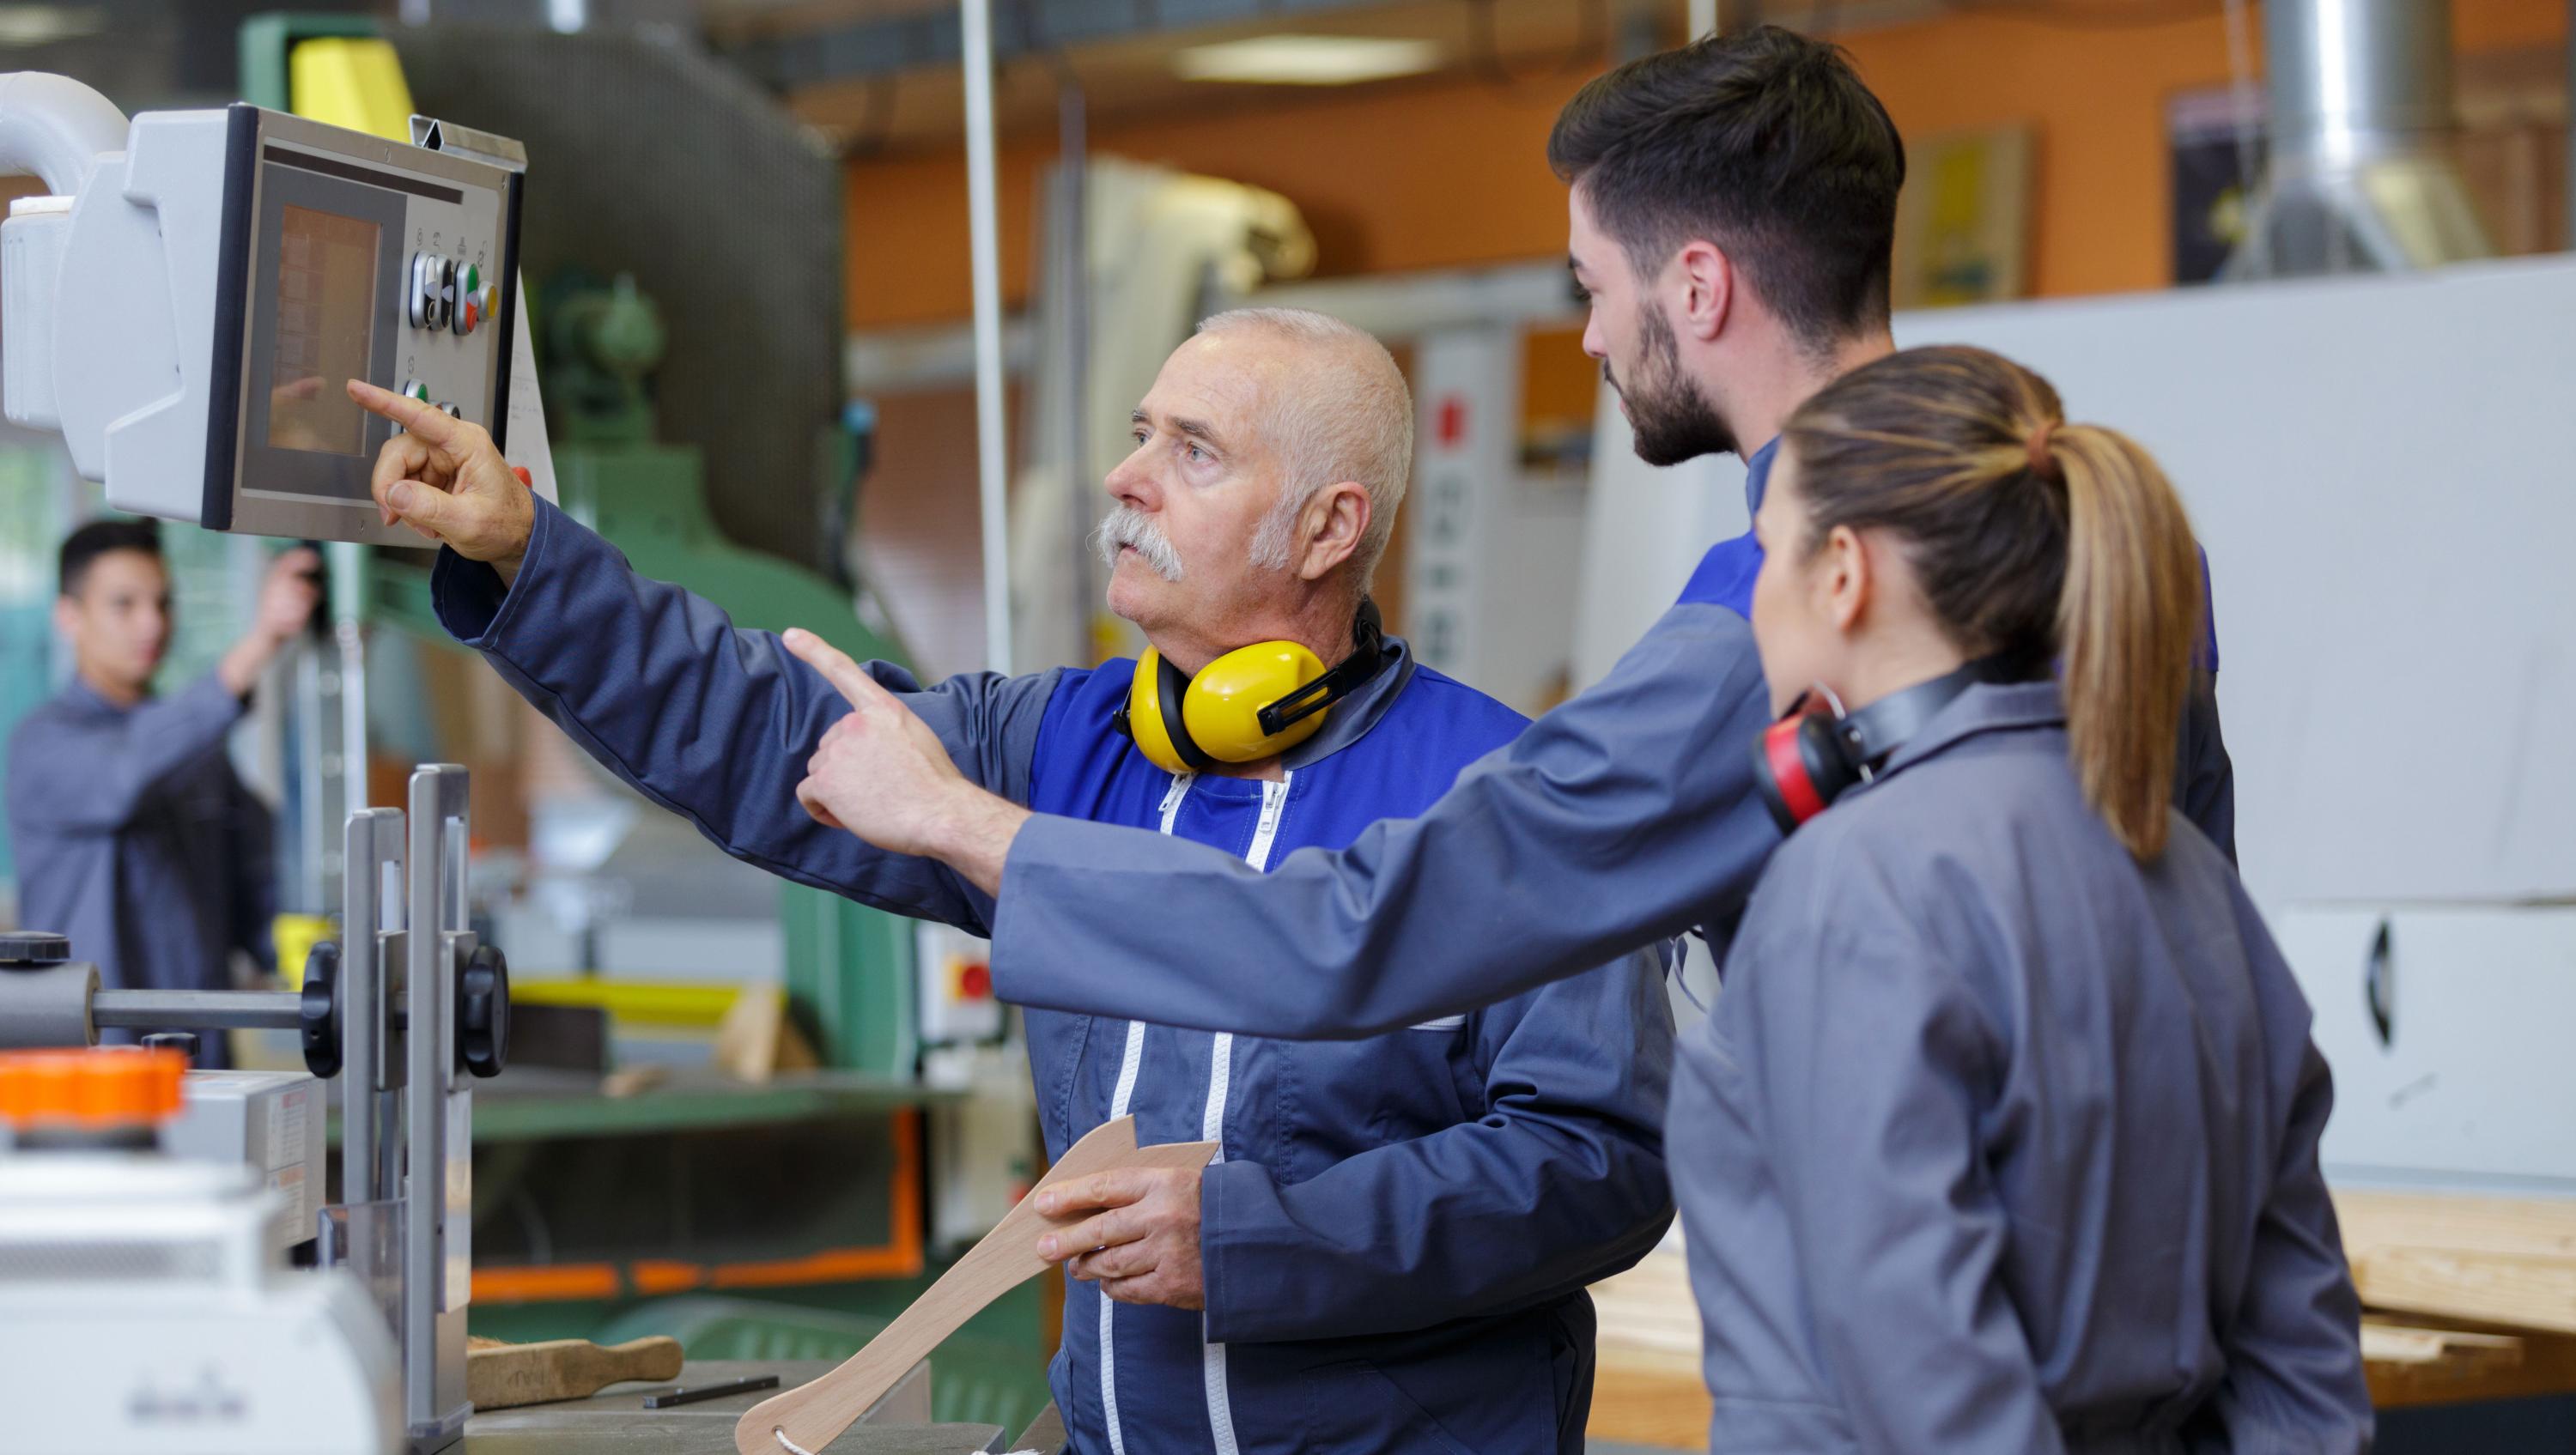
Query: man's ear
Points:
[66, 616]
[1703, 289]
[1331, 528]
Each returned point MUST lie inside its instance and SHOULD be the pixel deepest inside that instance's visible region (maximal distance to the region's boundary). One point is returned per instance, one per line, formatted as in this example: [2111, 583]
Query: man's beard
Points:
[1671, 419]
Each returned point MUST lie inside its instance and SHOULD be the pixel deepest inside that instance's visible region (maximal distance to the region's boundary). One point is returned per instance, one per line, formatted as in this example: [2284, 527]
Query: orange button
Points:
[109, 1087]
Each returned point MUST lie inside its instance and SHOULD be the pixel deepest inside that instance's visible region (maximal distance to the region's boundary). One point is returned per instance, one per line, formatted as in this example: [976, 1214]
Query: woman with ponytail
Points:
[2003, 1134]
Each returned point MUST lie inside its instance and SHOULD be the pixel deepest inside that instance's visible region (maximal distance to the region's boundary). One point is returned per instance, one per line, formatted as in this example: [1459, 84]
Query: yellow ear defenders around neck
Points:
[1252, 703]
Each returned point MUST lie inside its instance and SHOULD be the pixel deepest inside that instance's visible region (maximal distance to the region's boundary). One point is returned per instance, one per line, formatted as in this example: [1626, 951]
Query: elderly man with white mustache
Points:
[1390, 1249]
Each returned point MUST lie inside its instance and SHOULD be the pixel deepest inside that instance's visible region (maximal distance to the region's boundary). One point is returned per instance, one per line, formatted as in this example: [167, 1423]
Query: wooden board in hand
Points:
[814, 1415]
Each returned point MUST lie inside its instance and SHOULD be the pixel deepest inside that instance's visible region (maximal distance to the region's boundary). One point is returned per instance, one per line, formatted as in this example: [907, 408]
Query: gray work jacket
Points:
[134, 836]
[2000, 1141]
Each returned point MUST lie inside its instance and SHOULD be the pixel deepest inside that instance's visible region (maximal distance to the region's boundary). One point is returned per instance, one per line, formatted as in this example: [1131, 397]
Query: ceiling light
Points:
[30, 25]
[1306, 60]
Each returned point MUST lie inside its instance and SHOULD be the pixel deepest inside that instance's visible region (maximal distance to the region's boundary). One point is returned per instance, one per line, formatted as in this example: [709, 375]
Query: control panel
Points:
[358, 258]
[190, 316]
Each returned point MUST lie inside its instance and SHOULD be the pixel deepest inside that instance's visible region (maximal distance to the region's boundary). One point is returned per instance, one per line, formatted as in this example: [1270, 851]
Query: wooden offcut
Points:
[811, 1416]
[502, 1376]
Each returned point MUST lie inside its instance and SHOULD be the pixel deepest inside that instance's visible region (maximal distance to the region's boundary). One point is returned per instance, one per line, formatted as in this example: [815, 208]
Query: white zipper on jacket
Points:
[1274, 805]
[1130, 1061]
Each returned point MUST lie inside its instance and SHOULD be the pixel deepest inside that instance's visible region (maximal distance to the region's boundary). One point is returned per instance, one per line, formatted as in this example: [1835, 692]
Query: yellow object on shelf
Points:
[294, 936]
[636, 1002]
[353, 82]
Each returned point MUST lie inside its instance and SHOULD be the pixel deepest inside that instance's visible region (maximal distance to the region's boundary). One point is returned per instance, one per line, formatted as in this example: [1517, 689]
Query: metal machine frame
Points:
[406, 1026]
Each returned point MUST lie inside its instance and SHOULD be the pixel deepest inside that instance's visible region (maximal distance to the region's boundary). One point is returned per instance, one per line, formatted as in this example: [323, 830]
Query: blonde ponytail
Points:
[2128, 618]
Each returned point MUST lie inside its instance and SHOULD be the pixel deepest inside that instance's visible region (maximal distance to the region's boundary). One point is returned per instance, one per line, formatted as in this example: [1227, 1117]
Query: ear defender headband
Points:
[1252, 703]
[1818, 752]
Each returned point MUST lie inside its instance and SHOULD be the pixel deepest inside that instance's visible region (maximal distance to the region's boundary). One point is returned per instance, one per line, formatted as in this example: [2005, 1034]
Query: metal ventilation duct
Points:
[2361, 177]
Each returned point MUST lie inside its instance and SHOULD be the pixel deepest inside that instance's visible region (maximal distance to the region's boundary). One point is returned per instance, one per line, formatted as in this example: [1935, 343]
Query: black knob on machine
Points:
[318, 1012]
[483, 1012]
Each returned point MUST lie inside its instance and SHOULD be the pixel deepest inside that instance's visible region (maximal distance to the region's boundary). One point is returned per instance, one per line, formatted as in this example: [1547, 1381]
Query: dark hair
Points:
[2031, 538]
[1763, 142]
[96, 539]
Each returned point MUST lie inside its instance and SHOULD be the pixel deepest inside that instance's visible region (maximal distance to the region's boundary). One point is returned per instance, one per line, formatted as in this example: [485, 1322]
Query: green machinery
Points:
[849, 968]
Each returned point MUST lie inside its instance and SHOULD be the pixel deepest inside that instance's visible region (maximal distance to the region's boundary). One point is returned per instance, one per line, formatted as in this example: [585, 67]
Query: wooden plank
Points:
[2545, 1364]
[813, 1415]
[502, 1376]
[2519, 1227]
[2454, 1349]
[1649, 1397]
[2488, 1288]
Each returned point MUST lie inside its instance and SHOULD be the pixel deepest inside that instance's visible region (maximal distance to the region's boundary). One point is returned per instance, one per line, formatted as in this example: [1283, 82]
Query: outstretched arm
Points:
[657, 684]
[1623, 817]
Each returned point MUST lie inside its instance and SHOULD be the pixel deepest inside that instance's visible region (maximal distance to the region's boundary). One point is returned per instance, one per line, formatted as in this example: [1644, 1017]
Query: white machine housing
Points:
[187, 307]
[144, 1310]
[272, 1122]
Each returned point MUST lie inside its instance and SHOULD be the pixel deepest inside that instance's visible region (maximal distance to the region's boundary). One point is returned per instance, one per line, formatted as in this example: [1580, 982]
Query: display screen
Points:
[326, 314]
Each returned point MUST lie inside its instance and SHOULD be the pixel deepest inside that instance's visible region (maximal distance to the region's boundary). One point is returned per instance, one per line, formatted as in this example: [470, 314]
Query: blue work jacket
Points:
[1397, 1232]
[1999, 1141]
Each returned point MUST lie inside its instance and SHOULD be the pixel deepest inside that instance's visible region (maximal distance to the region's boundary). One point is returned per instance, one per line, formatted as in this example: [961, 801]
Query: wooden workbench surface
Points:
[2468, 1298]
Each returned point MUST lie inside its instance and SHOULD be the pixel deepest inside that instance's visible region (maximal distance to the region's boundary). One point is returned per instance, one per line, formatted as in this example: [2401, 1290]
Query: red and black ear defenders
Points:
[1815, 753]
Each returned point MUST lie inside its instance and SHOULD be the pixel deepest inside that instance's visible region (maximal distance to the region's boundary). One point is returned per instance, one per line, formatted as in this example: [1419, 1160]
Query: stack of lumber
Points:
[2465, 1298]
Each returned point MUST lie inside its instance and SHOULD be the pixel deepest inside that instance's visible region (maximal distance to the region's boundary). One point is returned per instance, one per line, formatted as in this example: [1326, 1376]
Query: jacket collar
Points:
[1757, 479]
[1988, 707]
[78, 692]
[1350, 719]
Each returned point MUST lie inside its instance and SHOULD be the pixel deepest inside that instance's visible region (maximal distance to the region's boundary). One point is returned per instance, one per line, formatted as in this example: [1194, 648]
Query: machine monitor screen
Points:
[326, 308]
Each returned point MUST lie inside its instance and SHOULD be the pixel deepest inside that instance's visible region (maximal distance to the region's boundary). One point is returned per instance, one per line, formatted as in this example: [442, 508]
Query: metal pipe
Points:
[349, 568]
[2351, 79]
[242, 1010]
[1073, 228]
[1700, 19]
[313, 769]
[2360, 175]
[992, 466]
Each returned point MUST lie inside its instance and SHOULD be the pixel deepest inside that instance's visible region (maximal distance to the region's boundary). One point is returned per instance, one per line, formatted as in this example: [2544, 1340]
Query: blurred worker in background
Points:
[1390, 1249]
[131, 831]
[2003, 1135]
[1732, 219]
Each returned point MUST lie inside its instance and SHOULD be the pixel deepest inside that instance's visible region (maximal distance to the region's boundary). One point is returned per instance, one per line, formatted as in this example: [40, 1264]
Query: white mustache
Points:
[1125, 525]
